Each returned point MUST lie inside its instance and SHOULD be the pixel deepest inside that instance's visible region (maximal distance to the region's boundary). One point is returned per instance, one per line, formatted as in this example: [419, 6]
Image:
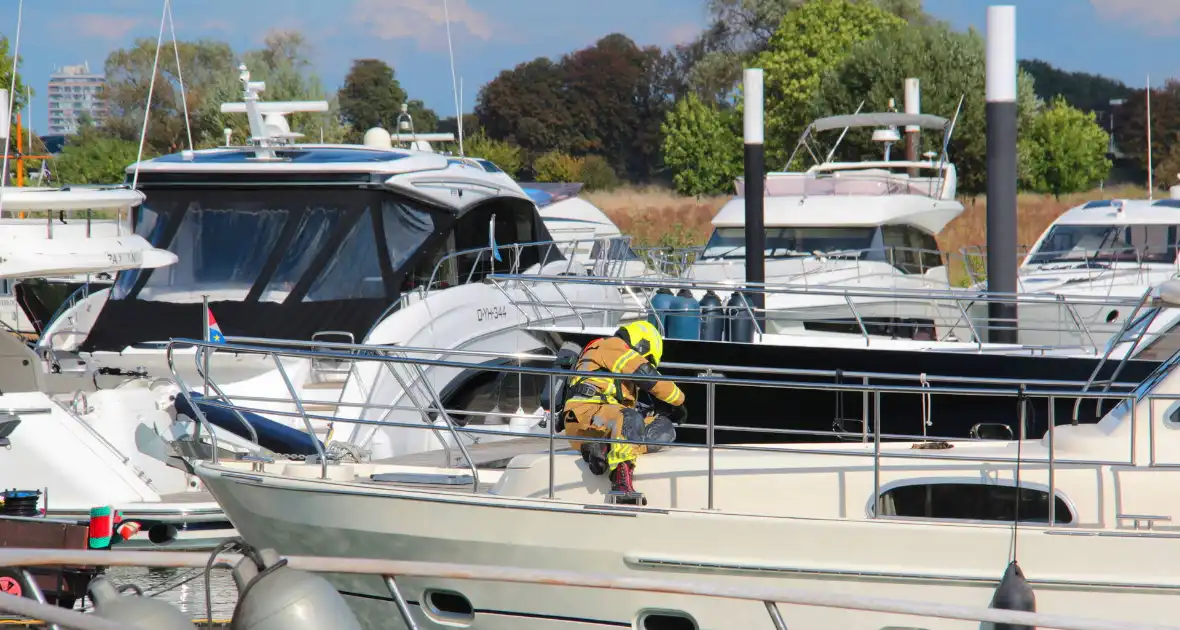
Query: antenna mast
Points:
[454, 82]
[268, 123]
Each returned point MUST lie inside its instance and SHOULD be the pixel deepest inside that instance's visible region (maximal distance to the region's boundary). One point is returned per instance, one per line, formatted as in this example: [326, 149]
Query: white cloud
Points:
[102, 26]
[421, 20]
[1157, 15]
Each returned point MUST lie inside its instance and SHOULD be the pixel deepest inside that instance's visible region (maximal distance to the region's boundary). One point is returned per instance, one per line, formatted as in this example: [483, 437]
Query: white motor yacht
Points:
[1087, 511]
[81, 447]
[855, 225]
[1115, 249]
[324, 243]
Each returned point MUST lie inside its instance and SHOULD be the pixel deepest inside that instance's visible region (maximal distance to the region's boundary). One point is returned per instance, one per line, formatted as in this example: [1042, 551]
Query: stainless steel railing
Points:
[954, 314]
[872, 385]
[480, 263]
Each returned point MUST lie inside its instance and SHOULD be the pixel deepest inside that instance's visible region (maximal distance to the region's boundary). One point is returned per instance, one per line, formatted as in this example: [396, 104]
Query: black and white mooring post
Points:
[1001, 169]
[913, 133]
[755, 189]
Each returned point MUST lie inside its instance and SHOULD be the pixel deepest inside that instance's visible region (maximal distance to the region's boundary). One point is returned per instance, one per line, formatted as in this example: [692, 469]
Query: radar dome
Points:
[378, 138]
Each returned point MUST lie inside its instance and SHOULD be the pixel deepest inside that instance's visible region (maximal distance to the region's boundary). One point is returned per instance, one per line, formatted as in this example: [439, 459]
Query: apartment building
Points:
[74, 91]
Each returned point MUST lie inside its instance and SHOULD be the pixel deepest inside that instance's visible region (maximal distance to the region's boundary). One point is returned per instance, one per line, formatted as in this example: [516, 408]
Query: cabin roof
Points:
[843, 210]
[880, 119]
[69, 199]
[302, 158]
[1134, 211]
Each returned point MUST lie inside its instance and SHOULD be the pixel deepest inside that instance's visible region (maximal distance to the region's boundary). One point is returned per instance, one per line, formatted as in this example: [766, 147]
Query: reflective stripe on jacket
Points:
[612, 354]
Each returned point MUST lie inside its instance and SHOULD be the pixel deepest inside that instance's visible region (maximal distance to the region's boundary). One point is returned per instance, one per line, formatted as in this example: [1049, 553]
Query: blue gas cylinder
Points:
[661, 302]
[712, 318]
[684, 319]
[741, 318]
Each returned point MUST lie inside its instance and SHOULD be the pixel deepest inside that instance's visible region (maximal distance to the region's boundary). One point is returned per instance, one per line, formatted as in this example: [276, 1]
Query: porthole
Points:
[449, 606]
[666, 620]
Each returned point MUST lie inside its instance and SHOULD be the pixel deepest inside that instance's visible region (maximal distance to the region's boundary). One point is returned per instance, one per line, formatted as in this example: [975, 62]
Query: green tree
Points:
[505, 155]
[6, 74]
[811, 40]
[371, 96]
[596, 173]
[526, 106]
[1069, 150]
[209, 71]
[702, 147]
[1086, 91]
[607, 99]
[92, 158]
[284, 62]
[1130, 131]
[450, 125]
[950, 66]
[425, 119]
[556, 166]
[740, 30]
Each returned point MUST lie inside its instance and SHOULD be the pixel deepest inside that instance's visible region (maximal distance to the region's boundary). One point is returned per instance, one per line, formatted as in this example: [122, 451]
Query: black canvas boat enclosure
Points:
[801, 409]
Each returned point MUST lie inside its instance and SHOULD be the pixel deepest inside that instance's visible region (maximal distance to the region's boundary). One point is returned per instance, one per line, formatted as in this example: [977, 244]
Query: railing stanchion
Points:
[202, 421]
[876, 453]
[864, 412]
[402, 608]
[710, 438]
[1052, 479]
[319, 448]
[553, 412]
[776, 617]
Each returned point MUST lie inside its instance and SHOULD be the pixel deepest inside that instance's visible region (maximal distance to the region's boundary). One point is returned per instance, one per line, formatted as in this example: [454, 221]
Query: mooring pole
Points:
[1001, 169]
[755, 191]
[913, 105]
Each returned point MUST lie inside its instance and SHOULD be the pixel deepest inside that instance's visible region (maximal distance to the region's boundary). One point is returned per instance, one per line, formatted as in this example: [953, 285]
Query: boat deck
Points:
[490, 455]
[187, 497]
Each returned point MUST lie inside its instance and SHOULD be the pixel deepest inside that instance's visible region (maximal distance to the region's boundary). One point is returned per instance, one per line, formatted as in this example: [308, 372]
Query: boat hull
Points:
[1130, 576]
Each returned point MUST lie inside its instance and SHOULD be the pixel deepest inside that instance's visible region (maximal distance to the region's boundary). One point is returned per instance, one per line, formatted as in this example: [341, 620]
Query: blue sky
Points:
[1122, 38]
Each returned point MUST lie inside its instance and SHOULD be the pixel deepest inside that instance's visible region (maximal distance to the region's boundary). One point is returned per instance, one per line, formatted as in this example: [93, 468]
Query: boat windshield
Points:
[1154, 243]
[266, 245]
[618, 248]
[790, 242]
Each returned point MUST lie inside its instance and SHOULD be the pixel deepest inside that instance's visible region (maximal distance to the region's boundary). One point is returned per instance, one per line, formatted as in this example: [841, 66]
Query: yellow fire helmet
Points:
[645, 339]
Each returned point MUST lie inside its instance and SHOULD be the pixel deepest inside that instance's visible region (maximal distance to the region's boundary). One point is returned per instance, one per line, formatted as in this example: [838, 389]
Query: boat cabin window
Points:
[972, 502]
[473, 237]
[1108, 243]
[911, 249]
[355, 272]
[483, 392]
[617, 248]
[791, 242]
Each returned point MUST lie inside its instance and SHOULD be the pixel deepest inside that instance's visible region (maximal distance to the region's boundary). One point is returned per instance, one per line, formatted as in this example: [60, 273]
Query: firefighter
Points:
[605, 406]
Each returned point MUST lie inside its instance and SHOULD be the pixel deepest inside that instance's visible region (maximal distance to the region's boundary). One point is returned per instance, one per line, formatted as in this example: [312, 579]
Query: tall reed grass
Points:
[657, 216]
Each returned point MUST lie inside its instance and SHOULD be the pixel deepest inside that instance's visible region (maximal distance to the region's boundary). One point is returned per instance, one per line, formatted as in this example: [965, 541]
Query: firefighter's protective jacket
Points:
[612, 354]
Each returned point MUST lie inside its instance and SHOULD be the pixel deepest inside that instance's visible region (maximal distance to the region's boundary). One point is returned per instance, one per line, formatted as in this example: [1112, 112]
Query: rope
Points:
[147, 108]
[1022, 397]
[188, 127]
[20, 13]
